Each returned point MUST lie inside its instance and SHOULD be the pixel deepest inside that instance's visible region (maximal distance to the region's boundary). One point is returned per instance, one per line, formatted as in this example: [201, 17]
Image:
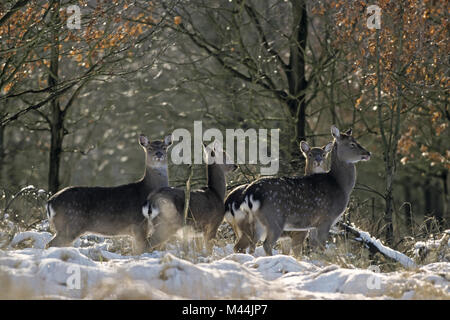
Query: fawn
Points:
[313, 202]
[110, 211]
[248, 230]
[164, 208]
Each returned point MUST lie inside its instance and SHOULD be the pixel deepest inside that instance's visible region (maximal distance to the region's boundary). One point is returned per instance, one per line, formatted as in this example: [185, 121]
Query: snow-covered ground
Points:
[91, 270]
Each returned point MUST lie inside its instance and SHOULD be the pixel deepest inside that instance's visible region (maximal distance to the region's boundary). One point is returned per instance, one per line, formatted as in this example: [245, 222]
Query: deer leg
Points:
[319, 236]
[162, 233]
[313, 238]
[285, 243]
[272, 227]
[272, 237]
[273, 233]
[63, 239]
[59, 240]
[140, 243]
[210, 235]
[298, 238]
[65, 235]
[243, 243]
[246, 238]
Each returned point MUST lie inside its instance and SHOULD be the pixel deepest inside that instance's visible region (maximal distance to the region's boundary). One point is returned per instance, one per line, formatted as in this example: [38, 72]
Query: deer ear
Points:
[304, 146]
[205, 152]
[335, 132]
[349, 132]
[328, 147]
[168, 140]
[217, 146]
[208, 154]
[143, 140]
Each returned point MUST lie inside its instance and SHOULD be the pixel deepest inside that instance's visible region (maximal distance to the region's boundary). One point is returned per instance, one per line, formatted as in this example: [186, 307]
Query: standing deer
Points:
[313, 202]
[164, 209]
[248, 230]
[110, 211]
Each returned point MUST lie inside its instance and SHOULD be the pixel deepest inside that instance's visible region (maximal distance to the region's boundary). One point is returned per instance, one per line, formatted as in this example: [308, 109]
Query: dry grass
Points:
[13, 291]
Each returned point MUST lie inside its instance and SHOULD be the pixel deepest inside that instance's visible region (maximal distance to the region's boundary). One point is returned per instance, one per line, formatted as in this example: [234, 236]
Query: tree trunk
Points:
[57, 136]
[428, 203]
[57, 115]
[445, 198]
[296, 78]
[2, 152]
[389, 209]
[407, 209]
[437, 208]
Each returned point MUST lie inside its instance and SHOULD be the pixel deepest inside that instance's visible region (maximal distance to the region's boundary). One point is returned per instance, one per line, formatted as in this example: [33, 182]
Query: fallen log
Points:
[375, 245]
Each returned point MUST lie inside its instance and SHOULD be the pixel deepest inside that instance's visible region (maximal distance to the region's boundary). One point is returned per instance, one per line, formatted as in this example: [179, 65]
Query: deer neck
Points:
[344, 172]
[308, 168]
[216, 180]
[155, 177]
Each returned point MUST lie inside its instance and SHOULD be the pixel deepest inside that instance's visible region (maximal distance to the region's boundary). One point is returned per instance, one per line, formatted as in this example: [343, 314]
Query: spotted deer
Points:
[164, 209]
[110, 211]
[313, 202]
[248, 231]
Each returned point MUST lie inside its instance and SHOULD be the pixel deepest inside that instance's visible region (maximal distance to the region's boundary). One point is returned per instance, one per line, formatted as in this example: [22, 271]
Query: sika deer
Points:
[110, 211]
[248, 230]
[165, 207]
[311, 202]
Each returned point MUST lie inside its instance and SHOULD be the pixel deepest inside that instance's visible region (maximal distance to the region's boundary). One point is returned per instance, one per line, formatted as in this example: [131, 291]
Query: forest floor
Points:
[101, 268]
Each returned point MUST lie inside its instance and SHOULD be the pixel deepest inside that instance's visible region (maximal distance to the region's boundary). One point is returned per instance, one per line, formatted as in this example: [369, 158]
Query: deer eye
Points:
[309, 154]
[353, 145]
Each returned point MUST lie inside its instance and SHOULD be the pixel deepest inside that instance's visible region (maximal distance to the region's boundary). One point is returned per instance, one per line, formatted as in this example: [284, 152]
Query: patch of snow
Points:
[421, 248]
[49, 273]
[40, 239]
[29, 187]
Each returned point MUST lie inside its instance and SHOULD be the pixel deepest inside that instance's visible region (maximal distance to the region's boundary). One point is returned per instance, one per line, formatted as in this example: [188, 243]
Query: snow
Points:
[52, 273]
[39, 239]
[422, 248]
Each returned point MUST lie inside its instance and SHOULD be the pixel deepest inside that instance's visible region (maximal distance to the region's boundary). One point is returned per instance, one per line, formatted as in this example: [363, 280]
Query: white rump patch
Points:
[145, 208]
[260, 231]
[228, 217]
[145, 211]
[165, 207]
[245, 205]
[235, 215]
[232, 221]
[255, 203]
[155, 212]
[239, 215]
[50, 212]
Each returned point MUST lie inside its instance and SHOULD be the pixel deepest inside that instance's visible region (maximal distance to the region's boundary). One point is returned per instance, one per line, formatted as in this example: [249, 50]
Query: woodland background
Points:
[73, 101]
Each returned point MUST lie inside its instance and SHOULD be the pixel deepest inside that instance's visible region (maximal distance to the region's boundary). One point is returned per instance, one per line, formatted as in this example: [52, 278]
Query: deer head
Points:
[156, 150]
[348, 149]
[315, 157]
